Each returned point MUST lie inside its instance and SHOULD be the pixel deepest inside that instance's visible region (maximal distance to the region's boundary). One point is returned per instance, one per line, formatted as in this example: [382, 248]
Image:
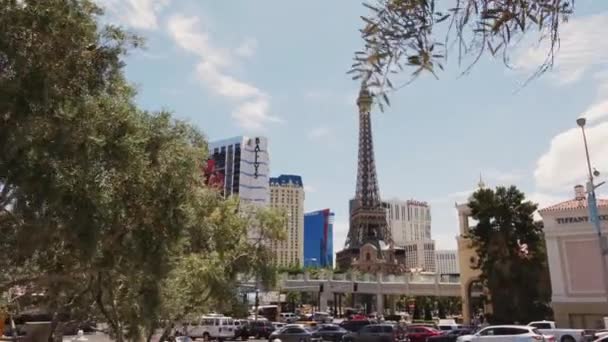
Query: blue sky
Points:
[277, 68]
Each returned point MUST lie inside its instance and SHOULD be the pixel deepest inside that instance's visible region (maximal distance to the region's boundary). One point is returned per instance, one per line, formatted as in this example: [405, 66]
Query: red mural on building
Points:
[211, 177]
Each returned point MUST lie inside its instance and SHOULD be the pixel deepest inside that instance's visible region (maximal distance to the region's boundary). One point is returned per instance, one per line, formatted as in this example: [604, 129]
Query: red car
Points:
[419, 333]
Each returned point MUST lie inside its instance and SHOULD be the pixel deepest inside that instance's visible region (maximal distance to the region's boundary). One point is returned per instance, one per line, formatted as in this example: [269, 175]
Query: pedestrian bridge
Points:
[411, 284]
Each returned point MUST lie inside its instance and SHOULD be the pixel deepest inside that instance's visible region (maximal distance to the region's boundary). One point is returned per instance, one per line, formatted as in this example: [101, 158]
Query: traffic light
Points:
[355, 287]
[321, 288]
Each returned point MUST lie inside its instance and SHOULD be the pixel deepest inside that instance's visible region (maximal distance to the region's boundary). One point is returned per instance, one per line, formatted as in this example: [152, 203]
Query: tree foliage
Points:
[400, 34]
[511, 254]
[102, 206]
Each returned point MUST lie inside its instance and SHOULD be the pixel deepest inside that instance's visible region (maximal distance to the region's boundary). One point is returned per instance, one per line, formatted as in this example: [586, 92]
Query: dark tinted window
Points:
[330, 328]
[509, 331]
[387, 329]
[487, 332]
[366, 329]
[375, 329]
[294, 330]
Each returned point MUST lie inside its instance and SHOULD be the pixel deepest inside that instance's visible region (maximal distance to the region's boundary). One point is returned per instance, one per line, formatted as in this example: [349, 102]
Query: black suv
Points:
[257, 329]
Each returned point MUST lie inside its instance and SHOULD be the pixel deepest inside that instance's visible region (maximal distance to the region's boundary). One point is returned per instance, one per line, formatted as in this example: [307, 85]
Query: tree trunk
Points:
[54, 322]
[58, 333]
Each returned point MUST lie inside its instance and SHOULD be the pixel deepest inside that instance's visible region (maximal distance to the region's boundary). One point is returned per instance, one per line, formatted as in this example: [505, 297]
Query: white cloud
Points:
[252, 105]
[139, 14]
[583, 47]
[247, 48]
[564, 164]
[319, 132]
[583, 52]
[253, 115]
[596, 111]
[226, 85]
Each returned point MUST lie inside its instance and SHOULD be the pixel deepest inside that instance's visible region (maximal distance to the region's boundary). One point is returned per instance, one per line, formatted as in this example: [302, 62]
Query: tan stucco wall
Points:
[579, 315]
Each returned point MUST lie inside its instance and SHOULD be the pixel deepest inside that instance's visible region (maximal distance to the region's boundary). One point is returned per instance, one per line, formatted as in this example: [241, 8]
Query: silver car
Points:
[292, 333]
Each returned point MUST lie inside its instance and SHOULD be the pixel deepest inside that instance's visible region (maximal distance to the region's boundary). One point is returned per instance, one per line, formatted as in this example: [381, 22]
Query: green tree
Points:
[294, 299]
[416, 314]
[403, 33]
[512, 256]
[101, 204]
[441, 309]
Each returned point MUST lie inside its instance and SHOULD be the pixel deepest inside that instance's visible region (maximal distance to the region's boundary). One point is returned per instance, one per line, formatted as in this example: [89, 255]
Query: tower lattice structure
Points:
[368, 221]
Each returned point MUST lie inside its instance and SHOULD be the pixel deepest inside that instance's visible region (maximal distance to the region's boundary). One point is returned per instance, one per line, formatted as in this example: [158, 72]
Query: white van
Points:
[322, 317]
[288, 317]
[212, 327]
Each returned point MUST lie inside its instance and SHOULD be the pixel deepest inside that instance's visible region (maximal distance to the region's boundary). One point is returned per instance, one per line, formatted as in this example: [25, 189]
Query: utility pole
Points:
[593, 211]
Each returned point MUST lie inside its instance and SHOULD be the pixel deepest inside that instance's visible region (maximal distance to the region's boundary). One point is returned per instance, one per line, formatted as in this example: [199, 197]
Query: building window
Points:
[368, 257]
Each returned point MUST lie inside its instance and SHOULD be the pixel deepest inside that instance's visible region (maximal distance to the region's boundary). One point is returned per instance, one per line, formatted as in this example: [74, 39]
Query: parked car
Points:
[257, 329]
[355, 325]
[506, 333]
[329, 332]
[240, 325]
[322, 317]
[561, 335]
[292, 333]
[449, 336]
[278, 325]
[288, 317]
[447, 324]
[377, 333]
[419, 333]
[602, 338]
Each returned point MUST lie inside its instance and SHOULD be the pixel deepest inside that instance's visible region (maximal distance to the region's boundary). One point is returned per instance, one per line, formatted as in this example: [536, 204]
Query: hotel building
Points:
[244, 163]
[287, 193]
[575, 266]
[318, 239]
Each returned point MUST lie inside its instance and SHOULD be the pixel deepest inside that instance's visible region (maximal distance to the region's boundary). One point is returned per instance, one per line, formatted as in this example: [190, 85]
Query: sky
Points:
[278, 68]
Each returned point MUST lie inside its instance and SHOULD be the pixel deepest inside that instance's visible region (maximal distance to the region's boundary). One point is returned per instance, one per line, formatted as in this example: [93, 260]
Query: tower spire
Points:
[481, 184]
[367, 192]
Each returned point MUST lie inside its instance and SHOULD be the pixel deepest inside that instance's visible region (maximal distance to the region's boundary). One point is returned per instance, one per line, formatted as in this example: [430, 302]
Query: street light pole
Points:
[593, 211]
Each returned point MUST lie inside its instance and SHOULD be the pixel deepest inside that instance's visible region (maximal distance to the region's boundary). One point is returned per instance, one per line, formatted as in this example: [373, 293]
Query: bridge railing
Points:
[413, 278]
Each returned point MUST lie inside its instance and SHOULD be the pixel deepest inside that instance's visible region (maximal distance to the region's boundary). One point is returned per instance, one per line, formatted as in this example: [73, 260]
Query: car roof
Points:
[509, 326]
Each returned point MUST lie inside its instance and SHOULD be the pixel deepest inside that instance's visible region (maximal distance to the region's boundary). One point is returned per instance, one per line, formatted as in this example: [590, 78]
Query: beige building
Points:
[471, 291]
[447, 262]
[420, 255]
[287, 193]
[579, 299]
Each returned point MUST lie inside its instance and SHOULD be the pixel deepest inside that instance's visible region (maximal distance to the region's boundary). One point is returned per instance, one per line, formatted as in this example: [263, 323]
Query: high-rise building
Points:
[318, 239]
[420, 255]
[446, 262]
[243, 164]
[408, 220]
[287, 193]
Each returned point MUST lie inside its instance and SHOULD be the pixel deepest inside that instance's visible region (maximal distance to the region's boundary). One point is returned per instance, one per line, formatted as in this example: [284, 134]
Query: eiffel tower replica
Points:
[369, 245]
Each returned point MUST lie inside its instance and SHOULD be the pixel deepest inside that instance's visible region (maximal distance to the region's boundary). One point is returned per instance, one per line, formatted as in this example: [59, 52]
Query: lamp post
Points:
[592, 205]
[257, 301]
